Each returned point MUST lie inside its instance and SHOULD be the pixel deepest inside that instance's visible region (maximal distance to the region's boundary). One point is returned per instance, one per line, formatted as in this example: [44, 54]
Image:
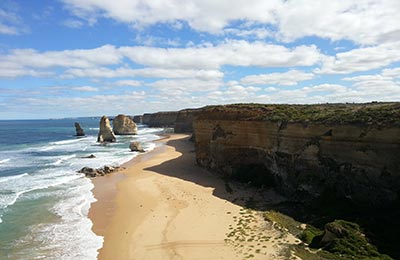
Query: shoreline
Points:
[164, 206]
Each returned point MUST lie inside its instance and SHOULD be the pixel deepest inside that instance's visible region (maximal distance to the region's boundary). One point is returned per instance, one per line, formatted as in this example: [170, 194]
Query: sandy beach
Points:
[164, 206]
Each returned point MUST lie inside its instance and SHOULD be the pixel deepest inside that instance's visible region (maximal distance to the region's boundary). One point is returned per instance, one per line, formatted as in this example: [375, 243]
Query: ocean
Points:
[44, 202]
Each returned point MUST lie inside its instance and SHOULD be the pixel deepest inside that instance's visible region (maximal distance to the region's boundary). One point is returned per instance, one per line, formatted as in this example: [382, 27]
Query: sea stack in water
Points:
[79, 130]
[123, 125]
[106, 133]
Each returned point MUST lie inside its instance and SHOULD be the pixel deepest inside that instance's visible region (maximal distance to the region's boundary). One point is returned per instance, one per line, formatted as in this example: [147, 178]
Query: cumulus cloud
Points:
[361, 59]
[20, 59]
[289, 78]
[138, 12]
[363, 22]
[235, 53]
[198, 61]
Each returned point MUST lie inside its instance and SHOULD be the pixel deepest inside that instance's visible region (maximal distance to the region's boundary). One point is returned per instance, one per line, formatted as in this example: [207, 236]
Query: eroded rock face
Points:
[79, 130]
[123, 125]
[352, 161]
[106, 133]
[136, 147]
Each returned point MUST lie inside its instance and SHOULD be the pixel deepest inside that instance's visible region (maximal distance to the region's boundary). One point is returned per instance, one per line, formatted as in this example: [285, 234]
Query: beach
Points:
[164, 206]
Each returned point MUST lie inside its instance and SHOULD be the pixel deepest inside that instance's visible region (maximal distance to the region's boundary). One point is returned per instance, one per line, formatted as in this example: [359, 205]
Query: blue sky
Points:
[68, 58]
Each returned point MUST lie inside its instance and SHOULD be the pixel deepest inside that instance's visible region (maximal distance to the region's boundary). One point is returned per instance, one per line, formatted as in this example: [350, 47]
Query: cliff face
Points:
[160, 119]
[354, 158]
[184, 120]
[181, 121]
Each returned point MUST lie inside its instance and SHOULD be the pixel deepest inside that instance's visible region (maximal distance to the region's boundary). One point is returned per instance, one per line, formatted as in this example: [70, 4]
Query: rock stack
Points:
[79, 130]
[123, 125]
[106, 133]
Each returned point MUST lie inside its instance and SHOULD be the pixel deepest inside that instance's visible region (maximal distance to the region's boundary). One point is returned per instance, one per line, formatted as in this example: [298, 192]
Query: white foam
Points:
[12, 198]
[9, 178]
[67, 141]
[4, 161]
[63, 159]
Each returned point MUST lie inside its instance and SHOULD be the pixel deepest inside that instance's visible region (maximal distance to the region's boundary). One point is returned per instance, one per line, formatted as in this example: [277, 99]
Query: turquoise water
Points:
[44, 202]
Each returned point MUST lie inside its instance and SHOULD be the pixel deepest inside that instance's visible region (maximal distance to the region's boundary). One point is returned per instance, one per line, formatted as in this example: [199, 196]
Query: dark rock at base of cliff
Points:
[106, 133]
[138, 119]
[89, 156]
[79, 130]
[92, 172]
[136, 147]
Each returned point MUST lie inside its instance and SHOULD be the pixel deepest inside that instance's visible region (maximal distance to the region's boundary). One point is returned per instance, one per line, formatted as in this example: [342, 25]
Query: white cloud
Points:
[80, 58]
[10, 23]
[205, 15]
[102, 72]
[73, 23]
[204, 60]
[185, 85]
[361, 21]
[86, 89]
[394, 72]
[128, 82]
[289, 78]
[362, 59]
[257, 33]
[235, 53]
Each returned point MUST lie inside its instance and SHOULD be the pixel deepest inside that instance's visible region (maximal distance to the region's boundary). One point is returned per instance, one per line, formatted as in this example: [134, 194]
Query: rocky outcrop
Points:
[136, 147]
[92, 172]
[106, 133]
[347, 152]
[138, 119]
[79, 130]
[123, 125]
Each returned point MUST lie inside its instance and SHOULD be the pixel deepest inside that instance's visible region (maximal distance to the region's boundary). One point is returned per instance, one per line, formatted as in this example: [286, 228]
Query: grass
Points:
[375, 113]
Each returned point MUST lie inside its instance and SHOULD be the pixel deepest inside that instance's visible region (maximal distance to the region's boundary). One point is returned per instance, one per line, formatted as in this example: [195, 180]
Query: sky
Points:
[73, 58]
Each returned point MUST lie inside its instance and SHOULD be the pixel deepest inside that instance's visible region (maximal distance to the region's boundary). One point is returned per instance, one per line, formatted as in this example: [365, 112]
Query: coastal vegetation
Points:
[379, 114]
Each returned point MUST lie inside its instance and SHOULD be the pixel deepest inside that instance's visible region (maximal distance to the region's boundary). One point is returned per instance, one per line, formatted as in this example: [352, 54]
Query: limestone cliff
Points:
[184, 120]
[106, 133]
[123, 125]
[181, 121]
[345, 151]
[160, 119]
